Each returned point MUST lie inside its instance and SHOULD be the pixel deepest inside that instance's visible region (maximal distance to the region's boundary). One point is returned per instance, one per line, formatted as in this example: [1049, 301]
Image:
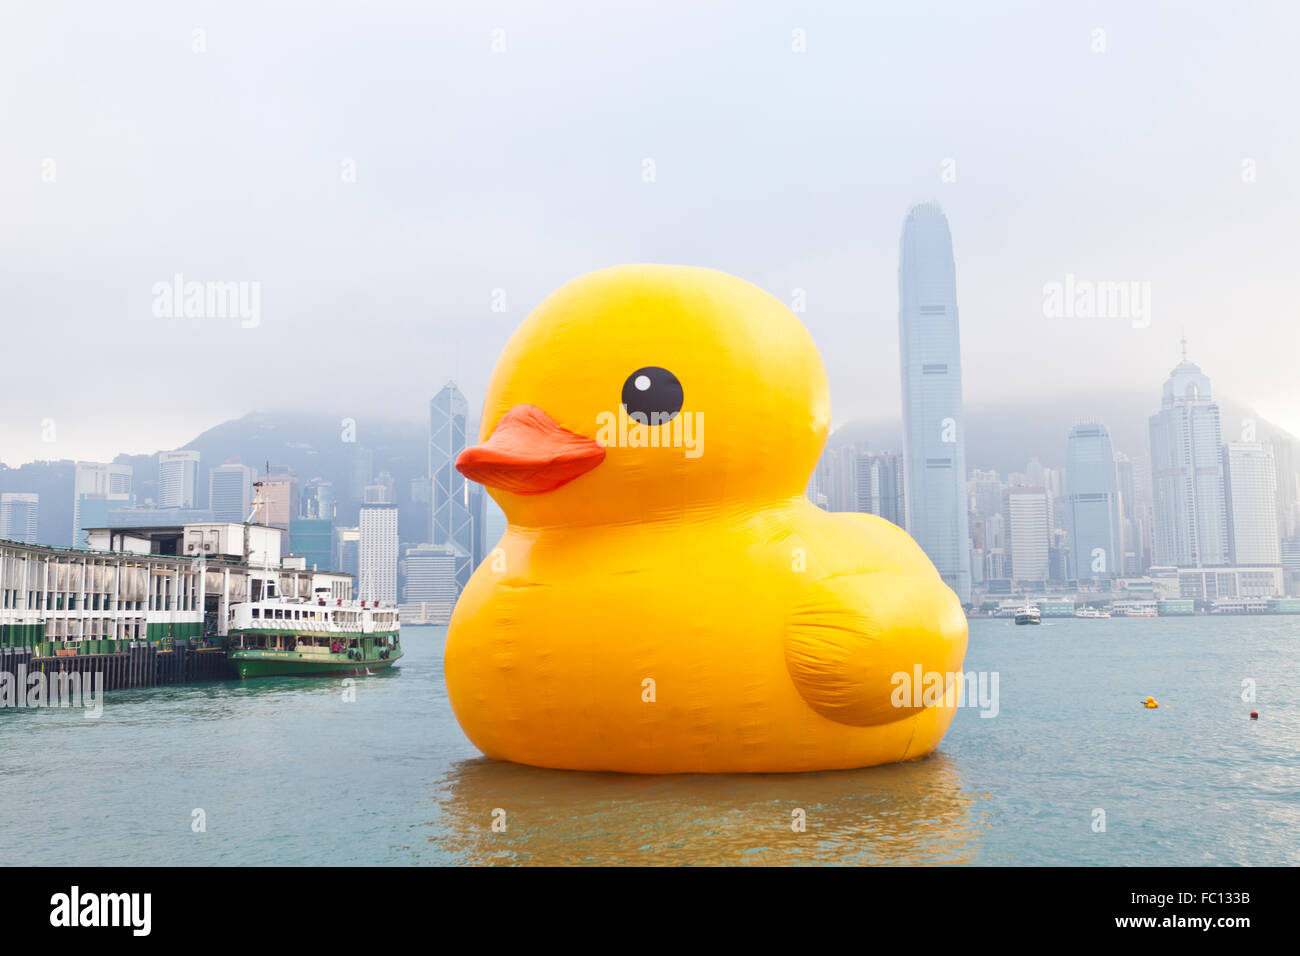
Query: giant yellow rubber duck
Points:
[665, 598]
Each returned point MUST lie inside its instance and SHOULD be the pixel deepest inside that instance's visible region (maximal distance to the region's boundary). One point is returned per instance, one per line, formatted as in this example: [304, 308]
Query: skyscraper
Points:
[1250, 490]
[178, 478]
[313, 539]
[1092, 505]
[1143, 513]
[880, 486]
[380, 491]
[934, 429]
[317, 500]
[453, 517]
[1028, 533]
[279, 494]
[230, 492]
[1191, 520]
[97, 489]
[377, 554]
[18, 513]
[1130, 546]
[430, 575]
[360, 472]
[984, 490]
[347, 545]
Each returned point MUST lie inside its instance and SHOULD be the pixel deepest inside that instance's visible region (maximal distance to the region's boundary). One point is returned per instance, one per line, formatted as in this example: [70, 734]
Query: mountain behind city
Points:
[1000, 436]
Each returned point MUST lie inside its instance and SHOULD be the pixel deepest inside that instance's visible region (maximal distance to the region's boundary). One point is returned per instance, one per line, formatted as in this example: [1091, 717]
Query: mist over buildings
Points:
[403, 184]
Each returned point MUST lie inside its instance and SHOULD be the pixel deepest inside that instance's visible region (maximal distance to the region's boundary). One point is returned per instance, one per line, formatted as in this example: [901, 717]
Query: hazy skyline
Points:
[478, 171]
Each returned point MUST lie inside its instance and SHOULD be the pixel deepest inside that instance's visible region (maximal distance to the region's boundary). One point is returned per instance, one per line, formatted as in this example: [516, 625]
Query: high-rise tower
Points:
[1092, 503]
[455, 504]
[1250, 492]
[18, 516]
[230, 492]
[934, 429]
[178, 478]
[377, 554]
[1187, 473]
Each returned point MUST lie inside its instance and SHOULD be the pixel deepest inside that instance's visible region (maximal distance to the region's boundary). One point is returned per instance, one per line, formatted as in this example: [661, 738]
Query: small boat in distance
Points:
[1029, 614]
[1092, 613]
[1141, 612]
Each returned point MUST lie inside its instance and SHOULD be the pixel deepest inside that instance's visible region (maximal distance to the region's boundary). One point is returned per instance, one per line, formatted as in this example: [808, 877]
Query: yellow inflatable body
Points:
[665, 598]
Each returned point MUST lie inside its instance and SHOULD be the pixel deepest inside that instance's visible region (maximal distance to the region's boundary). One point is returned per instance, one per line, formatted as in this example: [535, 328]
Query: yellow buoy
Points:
[1150, 703]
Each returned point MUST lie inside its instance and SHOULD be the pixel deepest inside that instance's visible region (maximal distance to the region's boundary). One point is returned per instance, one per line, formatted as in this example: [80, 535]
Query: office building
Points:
[1092, 504]
[360, 473]
[279, 497]
[454, 499]
[1191, 519]
[430, 575]
[18, 514]
[934, 431]
[318, 499]
[178, 478]
[1028, 529]
[1250, 491]
[313, 539]
[377, 554]
[347, 550]
[880, 486]
[230, 492]
[97, 489]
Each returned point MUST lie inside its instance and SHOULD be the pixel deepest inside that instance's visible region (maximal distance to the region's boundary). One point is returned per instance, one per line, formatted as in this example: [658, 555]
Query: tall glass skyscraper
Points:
[1191, 515]
[456, 502]
[1092, 503]
[1250, 491]
[934, 429]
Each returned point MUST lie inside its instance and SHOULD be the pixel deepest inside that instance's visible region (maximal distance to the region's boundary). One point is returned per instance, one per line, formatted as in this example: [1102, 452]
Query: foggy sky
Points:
[478, 171]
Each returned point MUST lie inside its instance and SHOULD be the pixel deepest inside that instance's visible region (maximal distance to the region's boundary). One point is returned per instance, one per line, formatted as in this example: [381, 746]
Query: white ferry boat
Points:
[1092, 613]
[281, 637]
[1029, 614]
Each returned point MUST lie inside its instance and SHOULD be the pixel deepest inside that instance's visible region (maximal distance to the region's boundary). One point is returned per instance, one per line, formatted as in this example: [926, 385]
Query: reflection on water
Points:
[903, 814]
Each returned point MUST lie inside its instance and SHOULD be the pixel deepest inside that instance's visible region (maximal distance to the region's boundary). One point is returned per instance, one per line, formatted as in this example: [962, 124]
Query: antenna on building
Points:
[253, 513]
[258, 503]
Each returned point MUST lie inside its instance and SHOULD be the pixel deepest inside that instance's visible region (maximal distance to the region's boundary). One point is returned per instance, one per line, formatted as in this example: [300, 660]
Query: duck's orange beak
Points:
[529, 454]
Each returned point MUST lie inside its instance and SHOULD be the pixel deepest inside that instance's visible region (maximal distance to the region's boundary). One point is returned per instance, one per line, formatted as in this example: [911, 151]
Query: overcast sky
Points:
[478, 170]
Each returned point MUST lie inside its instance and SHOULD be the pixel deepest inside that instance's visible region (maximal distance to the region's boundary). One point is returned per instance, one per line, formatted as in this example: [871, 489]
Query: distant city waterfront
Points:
[1201, 513]
[286, 771]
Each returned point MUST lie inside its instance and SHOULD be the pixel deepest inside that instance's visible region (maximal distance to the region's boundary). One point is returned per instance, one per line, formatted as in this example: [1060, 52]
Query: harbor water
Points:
[1071, 770]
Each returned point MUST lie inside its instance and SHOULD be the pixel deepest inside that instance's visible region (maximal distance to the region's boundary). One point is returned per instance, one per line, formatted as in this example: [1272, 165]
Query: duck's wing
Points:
[857, 644]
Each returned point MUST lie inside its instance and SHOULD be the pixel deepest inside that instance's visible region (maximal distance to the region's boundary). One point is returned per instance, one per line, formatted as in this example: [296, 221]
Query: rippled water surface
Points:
[287, 772]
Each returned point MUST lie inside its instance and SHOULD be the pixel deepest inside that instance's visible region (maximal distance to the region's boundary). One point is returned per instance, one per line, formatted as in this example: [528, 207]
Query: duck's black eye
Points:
[652, 392]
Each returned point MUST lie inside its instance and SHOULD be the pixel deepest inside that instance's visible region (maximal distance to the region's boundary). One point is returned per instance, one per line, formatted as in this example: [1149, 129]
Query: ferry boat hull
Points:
[249, 664]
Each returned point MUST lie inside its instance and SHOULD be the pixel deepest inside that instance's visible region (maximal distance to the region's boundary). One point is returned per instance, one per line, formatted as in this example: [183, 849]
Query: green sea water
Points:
[288, 771]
